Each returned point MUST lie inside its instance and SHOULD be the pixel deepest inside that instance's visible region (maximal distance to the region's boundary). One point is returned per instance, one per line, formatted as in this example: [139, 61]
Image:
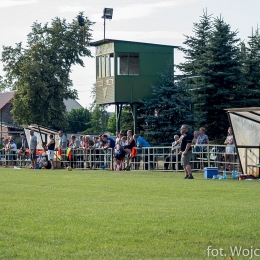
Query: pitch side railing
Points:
[150, 158]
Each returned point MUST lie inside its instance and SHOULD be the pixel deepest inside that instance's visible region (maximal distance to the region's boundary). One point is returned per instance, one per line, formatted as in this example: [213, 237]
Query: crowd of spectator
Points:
[200, 144]
[124, 148]
[72, 150]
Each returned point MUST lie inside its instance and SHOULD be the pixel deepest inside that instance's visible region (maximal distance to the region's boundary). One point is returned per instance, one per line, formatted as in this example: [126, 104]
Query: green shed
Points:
[126, 70]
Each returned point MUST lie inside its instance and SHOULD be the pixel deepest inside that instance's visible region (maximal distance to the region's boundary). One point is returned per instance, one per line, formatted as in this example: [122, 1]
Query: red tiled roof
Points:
[5, 98]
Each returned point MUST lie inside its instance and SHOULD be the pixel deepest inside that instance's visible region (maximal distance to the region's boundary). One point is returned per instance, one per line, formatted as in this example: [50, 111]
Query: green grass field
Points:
[124, 215]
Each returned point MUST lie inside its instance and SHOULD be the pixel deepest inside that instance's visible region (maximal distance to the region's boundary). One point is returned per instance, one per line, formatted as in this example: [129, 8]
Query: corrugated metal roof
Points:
[10, 125]
[100, 42]
[42, 129]
[5, 98]
[249, 113]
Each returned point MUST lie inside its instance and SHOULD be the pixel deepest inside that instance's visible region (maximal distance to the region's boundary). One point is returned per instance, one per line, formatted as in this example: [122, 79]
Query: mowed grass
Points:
[124, 215]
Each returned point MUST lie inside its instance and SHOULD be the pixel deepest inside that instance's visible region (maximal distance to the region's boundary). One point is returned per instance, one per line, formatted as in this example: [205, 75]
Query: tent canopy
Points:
[42, 133]
[245, 123]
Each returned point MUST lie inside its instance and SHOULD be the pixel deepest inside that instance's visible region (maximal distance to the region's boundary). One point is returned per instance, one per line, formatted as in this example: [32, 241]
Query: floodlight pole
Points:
[104, 27]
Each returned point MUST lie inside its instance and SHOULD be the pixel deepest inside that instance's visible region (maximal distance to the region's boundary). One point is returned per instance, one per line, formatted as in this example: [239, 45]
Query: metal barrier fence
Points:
[148, 158]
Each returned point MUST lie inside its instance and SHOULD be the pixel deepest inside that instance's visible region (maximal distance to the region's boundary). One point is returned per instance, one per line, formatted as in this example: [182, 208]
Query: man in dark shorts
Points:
[186, 151]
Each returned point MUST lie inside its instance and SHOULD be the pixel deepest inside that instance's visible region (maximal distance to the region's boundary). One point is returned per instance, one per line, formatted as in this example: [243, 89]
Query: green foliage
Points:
[214, 53]
[223, 77]
[111, 124]
[167, 111]
[126, 121]
[196, 51]
[251, 72]
[99, 120]
[19, 144]
[77, 120]
[40, 72]
[2, 85]
[123, 215]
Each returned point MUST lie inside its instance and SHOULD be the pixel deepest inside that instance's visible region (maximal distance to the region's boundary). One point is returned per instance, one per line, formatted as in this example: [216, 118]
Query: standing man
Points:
[62, 146]
[62, 141]
[33, 145]
[186, 151]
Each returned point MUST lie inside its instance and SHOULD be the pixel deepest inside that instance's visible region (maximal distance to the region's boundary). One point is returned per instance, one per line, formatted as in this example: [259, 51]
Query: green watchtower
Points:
[126, 70]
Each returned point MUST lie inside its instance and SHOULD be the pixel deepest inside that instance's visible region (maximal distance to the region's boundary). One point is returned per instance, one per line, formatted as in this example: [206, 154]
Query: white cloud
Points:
[71, 8]
[10, 3]
[135, 11]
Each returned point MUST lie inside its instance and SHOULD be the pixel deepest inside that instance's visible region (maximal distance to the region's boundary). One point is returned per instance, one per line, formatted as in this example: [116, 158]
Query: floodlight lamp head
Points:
[107, 13]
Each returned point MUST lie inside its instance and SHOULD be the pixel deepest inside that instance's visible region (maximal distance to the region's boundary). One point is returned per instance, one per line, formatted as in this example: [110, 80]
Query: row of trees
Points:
[40, 75]
[85, 120]
[96, 120]
[231, 72]
[230, 68]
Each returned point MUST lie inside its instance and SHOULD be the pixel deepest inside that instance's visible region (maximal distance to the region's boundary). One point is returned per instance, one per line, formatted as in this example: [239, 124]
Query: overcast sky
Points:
[153, 21]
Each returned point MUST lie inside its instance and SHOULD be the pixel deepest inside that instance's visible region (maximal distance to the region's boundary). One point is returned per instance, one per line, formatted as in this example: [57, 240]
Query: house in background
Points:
[71, 104]
[6, 106]
[7, 127]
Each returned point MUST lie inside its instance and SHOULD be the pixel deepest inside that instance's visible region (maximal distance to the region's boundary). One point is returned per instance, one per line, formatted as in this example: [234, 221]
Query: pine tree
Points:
[214, 54]
[251, 69]
[195, 52]
[167, 111]
[223, 77]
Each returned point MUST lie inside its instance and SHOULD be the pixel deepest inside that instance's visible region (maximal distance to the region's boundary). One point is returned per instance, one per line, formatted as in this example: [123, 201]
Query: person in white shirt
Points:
[229, 155]
[117, 136]
[172, 157]
[11, 149]
[81, 141]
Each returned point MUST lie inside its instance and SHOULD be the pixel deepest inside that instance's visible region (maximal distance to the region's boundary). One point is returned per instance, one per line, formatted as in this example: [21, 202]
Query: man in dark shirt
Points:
[186, 151]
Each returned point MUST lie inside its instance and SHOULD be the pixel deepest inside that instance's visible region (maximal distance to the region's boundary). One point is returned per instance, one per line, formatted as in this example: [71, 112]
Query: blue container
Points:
[210, 171]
